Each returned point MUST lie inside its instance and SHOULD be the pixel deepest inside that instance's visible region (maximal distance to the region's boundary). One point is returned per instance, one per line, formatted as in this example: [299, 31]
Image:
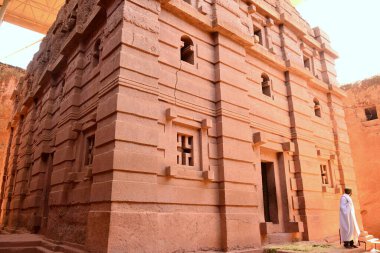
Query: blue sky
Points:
[353, 27]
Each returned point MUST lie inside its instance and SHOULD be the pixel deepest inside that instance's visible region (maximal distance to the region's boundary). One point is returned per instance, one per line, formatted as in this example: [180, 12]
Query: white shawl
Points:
[349, 229]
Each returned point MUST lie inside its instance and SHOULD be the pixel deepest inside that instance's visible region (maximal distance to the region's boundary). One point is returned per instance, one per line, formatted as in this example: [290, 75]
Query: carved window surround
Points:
[309, 58]
[187, 51]
[80, 134]
[269, 23]
[328, 160]
[258, 33]
[284, 152]
[184, 65]
[267, 86]
[201, 168]
[259, 139]
[199, 5]
[370, 113]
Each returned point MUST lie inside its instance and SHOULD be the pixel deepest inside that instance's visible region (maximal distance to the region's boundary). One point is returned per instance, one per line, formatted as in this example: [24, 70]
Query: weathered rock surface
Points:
[9, 78]
[362, 108]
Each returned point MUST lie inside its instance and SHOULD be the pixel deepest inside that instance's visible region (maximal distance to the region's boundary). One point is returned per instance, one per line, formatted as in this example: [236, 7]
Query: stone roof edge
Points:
[365, 83]
[13, 67]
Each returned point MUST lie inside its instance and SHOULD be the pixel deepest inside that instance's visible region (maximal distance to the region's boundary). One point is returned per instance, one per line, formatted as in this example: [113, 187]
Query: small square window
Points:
[371, 113]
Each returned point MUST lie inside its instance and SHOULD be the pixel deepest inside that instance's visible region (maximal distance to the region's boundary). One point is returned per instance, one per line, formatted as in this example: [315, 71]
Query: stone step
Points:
[17, 240]
[367, 237]
[335, 251]
[372, 240]
[279, 238]
[343, 250]
[26, 250]
[18, 250]
[45, 250]
[69, 249]
[248, 251]
[66, 248]
[49, 245]
[32, 243]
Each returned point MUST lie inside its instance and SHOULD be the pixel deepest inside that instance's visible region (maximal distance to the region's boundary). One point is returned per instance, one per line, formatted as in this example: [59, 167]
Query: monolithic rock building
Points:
[362, 107]
[9, 77]
[174, 126]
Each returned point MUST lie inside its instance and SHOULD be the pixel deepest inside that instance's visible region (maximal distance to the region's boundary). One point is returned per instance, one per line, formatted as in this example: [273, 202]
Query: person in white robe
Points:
[349, 229]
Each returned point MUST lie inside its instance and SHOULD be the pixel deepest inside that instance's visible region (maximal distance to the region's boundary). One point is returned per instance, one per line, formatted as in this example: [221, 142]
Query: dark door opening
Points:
[269, 192]
[47, 160]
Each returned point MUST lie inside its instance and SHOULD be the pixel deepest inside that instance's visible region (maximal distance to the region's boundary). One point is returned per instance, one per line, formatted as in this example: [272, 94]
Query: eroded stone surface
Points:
[362, 108]
[9, 77]
[163, 126]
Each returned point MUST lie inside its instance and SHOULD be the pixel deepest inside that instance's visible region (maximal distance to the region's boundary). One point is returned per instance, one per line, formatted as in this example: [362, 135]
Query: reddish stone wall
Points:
[146, 126]
[365, 144]
[9, 77]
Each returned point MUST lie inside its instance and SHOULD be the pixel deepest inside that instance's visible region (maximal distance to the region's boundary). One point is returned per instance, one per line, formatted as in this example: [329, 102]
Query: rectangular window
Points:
[185, 150]
[258, 36]
[90, 145]
[307, 63]
[324, 174]
[371, 113]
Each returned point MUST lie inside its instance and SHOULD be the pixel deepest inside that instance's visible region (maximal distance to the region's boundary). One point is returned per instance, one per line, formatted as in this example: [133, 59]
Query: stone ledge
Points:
[183, 173]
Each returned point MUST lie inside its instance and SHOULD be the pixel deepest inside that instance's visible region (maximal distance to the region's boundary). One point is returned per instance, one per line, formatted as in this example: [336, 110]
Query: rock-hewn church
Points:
[178, 125]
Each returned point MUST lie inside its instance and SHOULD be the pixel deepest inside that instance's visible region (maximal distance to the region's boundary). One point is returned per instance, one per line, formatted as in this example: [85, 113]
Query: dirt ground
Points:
[313, 247]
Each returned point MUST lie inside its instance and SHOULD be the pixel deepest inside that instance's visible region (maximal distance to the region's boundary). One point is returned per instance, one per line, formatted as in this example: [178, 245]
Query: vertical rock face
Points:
[163, 126]
[9, 78]
[362, 108]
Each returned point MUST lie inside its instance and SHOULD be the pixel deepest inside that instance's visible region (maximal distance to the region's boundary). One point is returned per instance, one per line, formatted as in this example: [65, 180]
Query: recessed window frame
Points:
[307, 62]
[317, 108]
[266, 87]
[325, 175]
[187, 52]
[97, 52]
[89, 149]
[258, 35]
[371, 113]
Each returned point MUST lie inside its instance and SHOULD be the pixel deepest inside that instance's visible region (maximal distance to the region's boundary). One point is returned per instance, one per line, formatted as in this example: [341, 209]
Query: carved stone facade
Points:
[173, 125]
[362, 109]
[9, 77]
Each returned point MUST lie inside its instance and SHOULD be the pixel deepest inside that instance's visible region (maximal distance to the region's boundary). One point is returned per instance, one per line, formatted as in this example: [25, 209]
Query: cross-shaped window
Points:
[185, 150]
